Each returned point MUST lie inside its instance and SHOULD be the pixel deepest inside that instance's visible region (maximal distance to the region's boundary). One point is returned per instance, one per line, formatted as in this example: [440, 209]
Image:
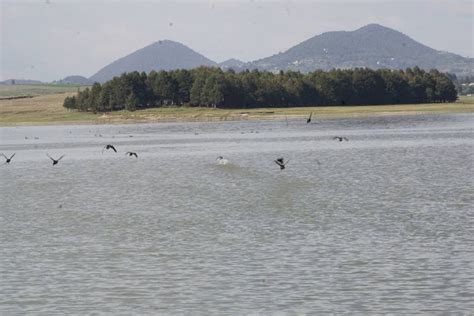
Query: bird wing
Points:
[279, 163]
[335, 137]
[4, 156]
[113, 148]
[12, 155]
[135, 154]
[50, 157]
[286, 162]
[310, 115]
[345, 138]
[61, 157]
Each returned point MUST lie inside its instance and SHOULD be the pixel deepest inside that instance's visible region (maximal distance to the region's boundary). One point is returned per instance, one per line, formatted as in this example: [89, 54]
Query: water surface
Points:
[382, 223]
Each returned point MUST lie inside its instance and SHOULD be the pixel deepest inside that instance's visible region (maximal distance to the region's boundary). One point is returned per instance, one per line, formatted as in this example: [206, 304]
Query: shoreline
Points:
[117, 121]
[48, 110]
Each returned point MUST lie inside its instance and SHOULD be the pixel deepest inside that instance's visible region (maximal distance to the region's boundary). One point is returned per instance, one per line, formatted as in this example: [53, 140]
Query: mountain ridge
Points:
[370, 46]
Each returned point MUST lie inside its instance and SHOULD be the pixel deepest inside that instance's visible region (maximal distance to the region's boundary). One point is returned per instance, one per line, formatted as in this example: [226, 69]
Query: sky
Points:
[50, 39]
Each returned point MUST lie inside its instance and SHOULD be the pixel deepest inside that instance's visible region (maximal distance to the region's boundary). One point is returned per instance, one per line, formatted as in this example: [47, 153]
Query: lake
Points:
[382, 223]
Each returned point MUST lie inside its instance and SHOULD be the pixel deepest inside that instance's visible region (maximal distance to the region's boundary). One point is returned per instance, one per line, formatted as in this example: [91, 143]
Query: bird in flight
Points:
[309, 118]
[131, 154]
[108, 146]
[281, 163]
[222, 161]
[55, 161]
[339, 138]
[8, 159]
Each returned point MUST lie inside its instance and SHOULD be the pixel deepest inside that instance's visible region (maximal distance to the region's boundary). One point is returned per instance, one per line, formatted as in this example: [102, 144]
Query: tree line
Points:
[213, 87]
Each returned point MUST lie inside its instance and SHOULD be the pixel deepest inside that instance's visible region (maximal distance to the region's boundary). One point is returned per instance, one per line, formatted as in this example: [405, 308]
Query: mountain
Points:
[373, 46]
[75, 80]
[232, 64]
[20, 81]
[161, 55]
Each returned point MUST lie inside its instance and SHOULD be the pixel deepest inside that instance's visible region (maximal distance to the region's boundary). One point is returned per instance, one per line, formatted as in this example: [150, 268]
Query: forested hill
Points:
[76, 80]
[213, 87]
[373, 46]
[161, 55]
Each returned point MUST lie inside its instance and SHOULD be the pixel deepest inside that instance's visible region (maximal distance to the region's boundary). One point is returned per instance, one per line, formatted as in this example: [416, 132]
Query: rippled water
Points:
[382, 224]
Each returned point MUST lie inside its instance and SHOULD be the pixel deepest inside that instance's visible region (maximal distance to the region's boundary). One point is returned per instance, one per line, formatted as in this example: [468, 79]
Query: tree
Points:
[132, 102]
[368, 87]
[397, 89]
[184, 80]
[196, 90]
[70, 102]
[82, 101]
[213, 91]
[94, 96]
[445, 90]
[165, 88]
[103, 101]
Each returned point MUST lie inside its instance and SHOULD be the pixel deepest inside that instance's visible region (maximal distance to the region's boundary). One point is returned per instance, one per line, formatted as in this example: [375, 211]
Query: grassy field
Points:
[13, 91]
[48, 109]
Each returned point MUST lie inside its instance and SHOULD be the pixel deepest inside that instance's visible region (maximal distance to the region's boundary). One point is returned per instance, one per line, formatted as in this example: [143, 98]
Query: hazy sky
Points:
[50, 39]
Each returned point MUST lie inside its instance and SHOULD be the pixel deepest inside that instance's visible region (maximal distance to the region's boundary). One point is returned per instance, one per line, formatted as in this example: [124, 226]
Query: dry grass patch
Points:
[40, 109]
[48, 109]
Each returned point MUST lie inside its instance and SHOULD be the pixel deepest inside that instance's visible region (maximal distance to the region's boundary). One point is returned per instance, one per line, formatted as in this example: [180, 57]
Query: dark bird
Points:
[309, 118]
[108, 146]
[281, 163]
[8, 159]
[55, 161]
[339, 138]
[129, 153]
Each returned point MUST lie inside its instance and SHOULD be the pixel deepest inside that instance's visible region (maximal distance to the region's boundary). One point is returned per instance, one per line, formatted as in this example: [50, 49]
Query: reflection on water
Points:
[383, 224]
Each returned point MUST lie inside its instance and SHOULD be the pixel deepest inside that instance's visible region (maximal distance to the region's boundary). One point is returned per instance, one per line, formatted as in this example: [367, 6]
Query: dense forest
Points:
[213, 87]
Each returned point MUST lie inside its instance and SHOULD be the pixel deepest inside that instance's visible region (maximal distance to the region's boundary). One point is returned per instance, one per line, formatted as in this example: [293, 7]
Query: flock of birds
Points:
[56, 161]
[281, 161]
[220, 160]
